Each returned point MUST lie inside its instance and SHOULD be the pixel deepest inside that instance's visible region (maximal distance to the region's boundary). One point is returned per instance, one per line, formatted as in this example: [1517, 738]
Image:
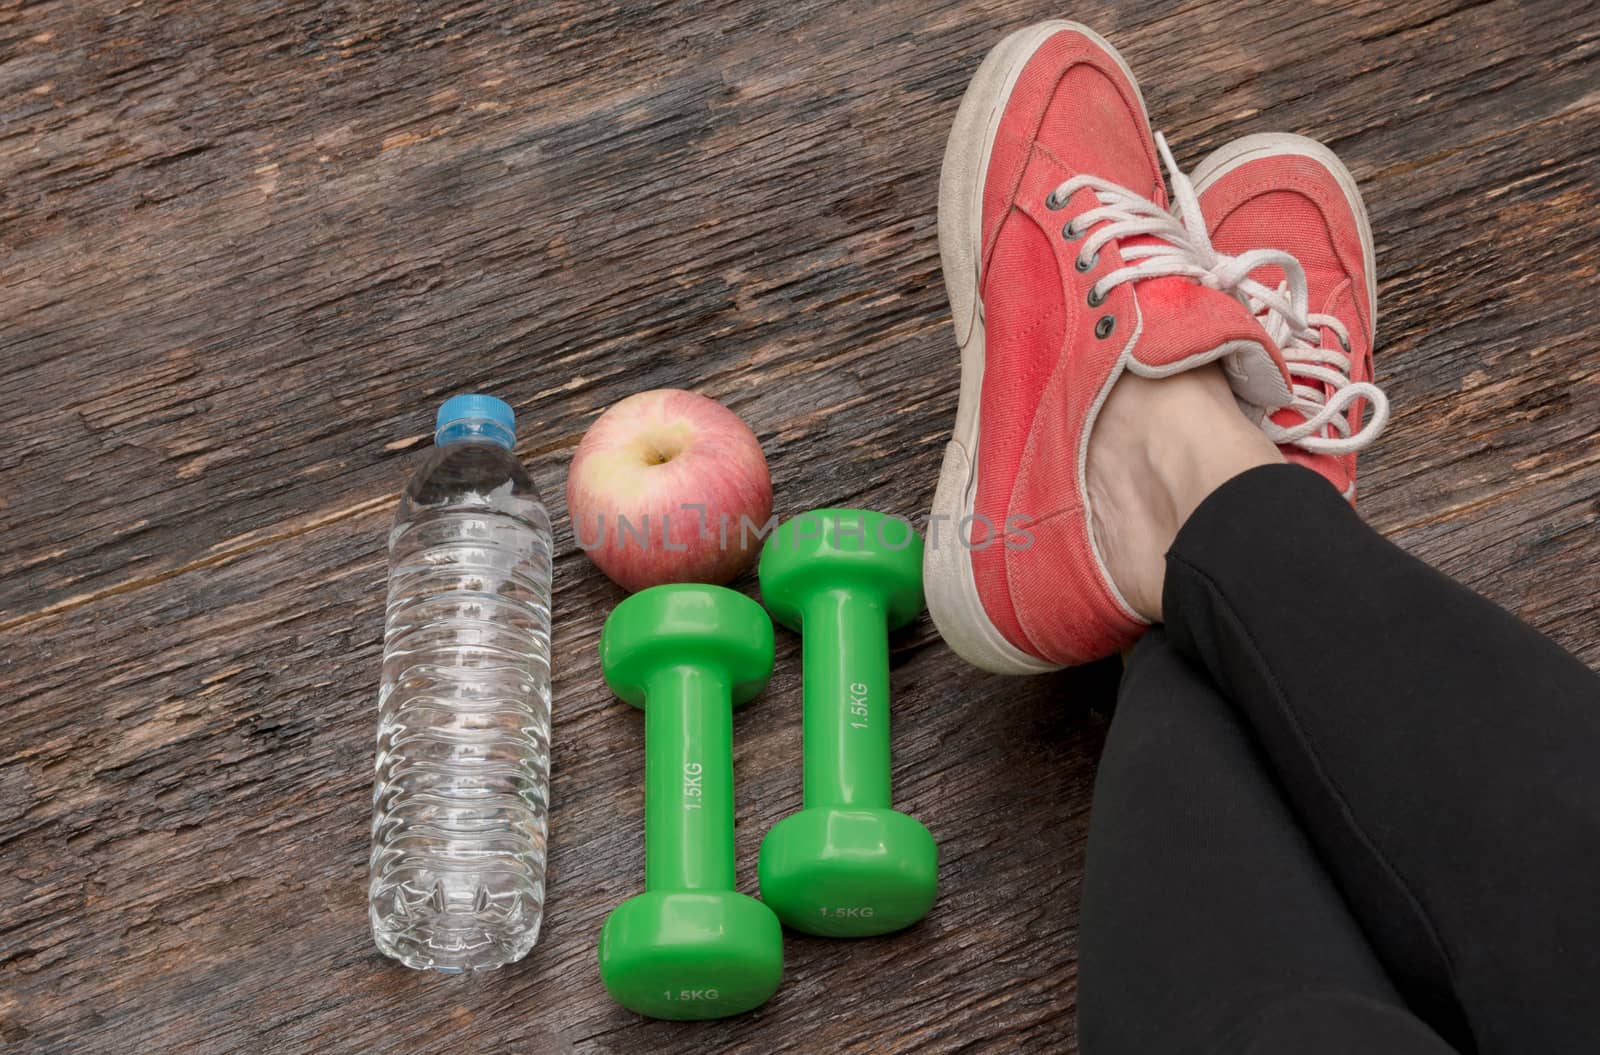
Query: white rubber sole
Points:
[1232, 155]
[951, 589]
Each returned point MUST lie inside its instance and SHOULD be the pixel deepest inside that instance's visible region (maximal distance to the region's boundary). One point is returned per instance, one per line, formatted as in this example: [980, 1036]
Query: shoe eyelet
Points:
[1086, 265]
[1070, 233]
[1051, 203]
[1343, 342]
[1103, 328]
[1096, 298]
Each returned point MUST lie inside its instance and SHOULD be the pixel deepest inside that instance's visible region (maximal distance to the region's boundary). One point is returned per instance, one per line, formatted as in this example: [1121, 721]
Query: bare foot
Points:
[1157, 450]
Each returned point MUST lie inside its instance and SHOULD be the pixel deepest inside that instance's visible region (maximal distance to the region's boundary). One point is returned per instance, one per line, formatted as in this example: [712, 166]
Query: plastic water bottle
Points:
[459, 813]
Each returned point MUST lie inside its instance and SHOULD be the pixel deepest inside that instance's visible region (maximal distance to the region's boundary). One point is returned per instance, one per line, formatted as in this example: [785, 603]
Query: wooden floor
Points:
[245, 249]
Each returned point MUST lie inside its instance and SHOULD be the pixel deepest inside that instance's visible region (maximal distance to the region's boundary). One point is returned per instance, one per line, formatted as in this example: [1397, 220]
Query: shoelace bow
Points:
[1183, 248]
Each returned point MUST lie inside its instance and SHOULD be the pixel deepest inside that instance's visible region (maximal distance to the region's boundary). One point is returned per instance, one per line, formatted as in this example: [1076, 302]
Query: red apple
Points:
[669, 486]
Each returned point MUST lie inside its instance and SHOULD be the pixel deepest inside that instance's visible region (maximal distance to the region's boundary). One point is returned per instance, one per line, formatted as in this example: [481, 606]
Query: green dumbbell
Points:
[847, 865]
[689, 946]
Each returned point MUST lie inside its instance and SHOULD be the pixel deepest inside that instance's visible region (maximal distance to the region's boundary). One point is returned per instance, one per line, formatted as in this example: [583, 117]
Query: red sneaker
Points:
[1290, 193]
[1063, 270]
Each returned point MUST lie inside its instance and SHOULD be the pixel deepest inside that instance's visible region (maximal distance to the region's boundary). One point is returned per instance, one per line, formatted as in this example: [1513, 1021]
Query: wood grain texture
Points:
[244, 250]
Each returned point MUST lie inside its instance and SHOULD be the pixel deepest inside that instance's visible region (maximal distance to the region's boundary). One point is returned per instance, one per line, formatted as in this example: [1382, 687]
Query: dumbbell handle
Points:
[845, 664]
[688, 781]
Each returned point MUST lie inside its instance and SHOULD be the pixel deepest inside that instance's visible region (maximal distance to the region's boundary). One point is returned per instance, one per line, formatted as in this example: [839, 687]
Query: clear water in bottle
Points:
[459, 813]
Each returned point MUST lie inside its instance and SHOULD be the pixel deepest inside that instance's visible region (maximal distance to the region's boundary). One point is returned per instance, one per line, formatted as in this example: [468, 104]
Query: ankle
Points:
[1204, 442]
[1159, 448]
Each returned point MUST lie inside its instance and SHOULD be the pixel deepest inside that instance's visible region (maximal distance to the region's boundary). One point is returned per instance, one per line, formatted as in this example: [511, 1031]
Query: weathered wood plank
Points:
[248, 247]
[536, 240]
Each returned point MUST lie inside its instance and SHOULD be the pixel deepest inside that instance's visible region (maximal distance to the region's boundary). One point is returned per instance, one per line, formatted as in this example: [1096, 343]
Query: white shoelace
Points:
[1314, 371]
[1184, 249]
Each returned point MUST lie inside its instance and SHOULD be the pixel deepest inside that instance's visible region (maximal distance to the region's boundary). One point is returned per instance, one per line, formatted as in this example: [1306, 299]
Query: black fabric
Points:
[1338, 787]
[1209, 926]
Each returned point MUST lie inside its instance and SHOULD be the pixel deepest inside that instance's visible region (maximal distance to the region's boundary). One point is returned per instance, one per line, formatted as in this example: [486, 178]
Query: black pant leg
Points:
[1209, 927]
[1443, 756]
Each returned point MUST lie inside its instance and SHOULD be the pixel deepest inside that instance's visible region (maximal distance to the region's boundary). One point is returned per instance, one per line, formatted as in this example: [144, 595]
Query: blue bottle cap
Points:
[480, 407]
